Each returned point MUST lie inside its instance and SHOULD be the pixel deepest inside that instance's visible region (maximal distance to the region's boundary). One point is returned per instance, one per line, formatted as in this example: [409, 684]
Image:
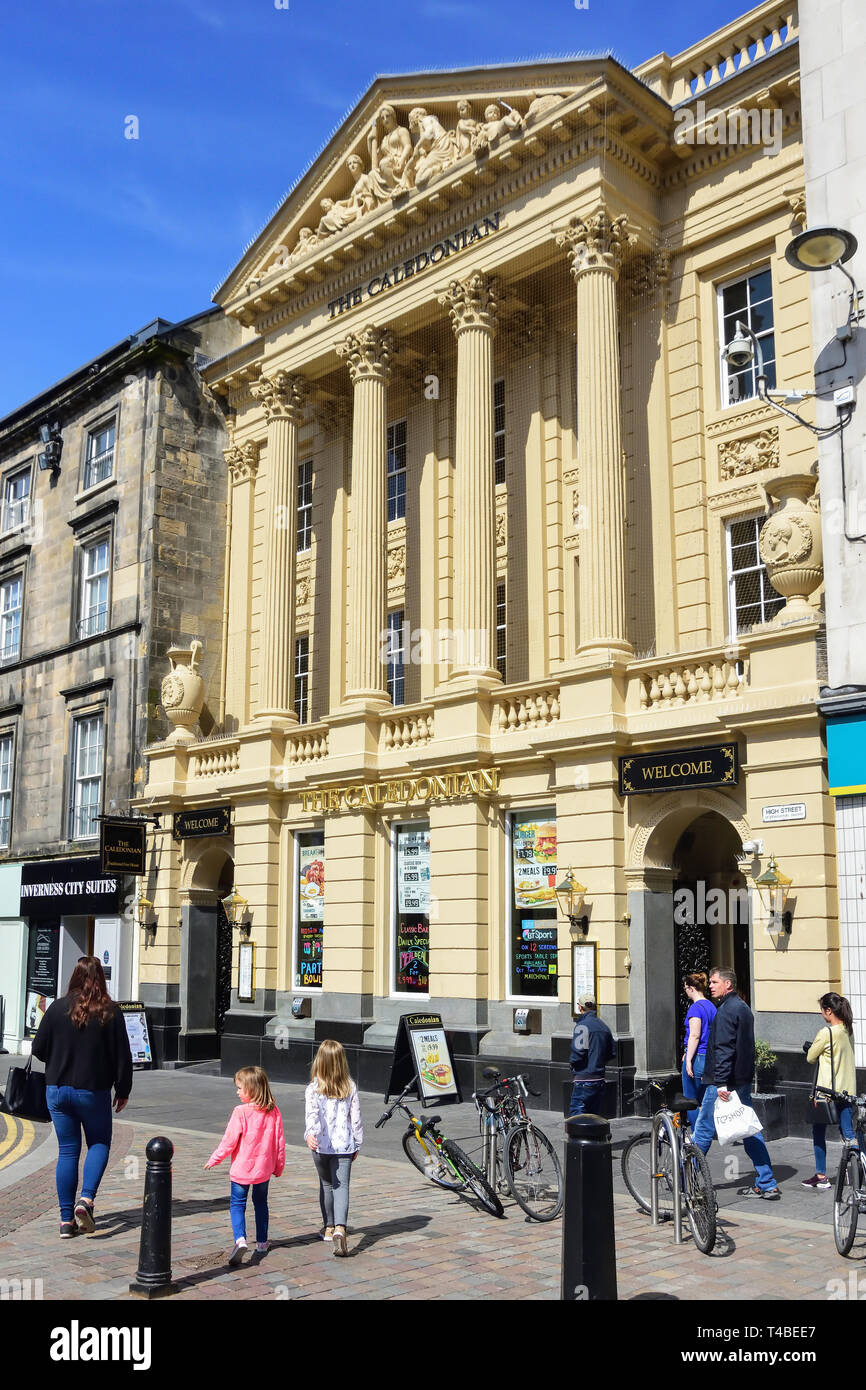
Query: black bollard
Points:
[153, 1276]
[588, 1242]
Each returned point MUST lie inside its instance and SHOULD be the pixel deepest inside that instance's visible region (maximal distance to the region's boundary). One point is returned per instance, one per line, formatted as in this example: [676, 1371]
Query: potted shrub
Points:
[768, 1104]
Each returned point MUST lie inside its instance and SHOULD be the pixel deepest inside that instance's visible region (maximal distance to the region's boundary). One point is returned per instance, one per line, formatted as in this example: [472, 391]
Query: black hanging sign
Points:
[123, 846]
[422, 1056]
[712, 766]
[207, 820]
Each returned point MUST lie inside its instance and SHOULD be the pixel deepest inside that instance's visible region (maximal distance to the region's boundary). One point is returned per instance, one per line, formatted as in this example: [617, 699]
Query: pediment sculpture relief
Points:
[402, 158]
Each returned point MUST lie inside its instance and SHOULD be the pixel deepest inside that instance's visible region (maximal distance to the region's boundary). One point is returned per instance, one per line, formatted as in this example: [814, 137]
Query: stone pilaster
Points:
[472, 305]
[368, 356]
[595, 246]
[282, 398]
[242, 462]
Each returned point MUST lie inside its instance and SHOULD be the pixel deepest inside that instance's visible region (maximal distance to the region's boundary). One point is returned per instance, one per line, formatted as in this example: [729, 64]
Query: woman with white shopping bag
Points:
[728, 1073]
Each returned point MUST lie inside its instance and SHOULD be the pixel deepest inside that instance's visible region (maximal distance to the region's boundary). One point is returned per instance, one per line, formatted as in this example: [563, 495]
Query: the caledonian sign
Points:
[712, 766]
[448, 246]
[437, 786]
[207, 820]
[122, 846]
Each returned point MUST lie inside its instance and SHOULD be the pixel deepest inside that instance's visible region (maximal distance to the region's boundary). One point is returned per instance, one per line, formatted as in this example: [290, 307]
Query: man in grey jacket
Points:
[730, 1066]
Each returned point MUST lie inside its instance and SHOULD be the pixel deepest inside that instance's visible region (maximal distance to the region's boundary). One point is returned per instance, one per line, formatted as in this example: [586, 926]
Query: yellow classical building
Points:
[502, 595]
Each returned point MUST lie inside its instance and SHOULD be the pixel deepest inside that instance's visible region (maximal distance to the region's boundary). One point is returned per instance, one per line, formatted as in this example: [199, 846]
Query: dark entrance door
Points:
[224, 967]
[691, 947]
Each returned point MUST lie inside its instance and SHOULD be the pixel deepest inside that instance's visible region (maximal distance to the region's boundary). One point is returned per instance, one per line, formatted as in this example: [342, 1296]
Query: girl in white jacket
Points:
[334, 1132]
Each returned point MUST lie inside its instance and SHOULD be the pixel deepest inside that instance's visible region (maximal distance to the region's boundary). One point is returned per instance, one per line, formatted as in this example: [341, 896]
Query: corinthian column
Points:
[282, 398]
[595, 245]
[368, 356]
[242, 462]
[472, 305]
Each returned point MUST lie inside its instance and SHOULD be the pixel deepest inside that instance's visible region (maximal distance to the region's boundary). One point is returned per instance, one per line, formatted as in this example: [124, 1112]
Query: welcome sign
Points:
[712, 766]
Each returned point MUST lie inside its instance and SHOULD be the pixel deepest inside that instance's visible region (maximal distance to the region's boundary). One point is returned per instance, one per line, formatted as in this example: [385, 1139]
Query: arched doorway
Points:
[206, 952]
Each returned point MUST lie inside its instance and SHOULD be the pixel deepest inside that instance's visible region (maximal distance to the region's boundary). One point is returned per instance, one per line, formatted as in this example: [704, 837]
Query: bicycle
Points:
[439, 1159]
[514, 1144]
[849, 1198]
[639, 1165]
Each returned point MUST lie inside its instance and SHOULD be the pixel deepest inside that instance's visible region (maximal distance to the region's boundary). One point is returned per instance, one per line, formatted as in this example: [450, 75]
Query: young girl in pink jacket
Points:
[254, 1138]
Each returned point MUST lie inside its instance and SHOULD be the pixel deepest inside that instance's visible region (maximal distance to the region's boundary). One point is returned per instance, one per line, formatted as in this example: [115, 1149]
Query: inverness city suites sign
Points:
[398, 274]
[712, 766]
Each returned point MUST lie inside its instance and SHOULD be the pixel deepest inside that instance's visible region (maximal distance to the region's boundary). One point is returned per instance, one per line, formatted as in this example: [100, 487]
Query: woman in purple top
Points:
[698, 1019]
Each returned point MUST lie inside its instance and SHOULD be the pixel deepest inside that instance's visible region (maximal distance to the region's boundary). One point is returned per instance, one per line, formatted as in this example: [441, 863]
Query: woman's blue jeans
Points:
[819, 1137]
[71, 1110]
[693, 1088]
[238, 1209]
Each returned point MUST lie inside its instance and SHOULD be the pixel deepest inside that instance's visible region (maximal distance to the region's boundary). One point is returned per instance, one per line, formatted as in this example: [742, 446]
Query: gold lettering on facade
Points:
[434, 786]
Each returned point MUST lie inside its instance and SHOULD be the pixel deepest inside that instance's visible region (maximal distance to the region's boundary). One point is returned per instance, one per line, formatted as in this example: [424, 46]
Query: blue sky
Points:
[100, 234]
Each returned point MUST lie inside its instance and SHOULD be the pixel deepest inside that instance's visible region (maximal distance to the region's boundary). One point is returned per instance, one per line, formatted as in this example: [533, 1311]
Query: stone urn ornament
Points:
[790, 545]
[182, 694]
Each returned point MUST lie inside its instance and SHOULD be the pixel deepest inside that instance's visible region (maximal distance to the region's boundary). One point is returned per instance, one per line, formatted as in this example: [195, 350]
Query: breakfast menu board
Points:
[422, 1055]
[311, 910]
[534, 858]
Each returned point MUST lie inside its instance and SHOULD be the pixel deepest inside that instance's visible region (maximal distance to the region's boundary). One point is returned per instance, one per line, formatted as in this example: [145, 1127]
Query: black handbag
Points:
[25, 1093]
[821, 1108]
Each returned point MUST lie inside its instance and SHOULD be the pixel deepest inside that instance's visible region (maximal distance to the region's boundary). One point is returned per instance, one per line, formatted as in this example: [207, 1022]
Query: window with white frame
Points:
[305, 505]
[751, 597]
[86, 790]
[16, 499]
[397, 470]
[99, 460]
[6, 771]
[499, 431]
[749, 300]
[396, 658]
[302, 678]
[11, 597]
[501, 635]
[93, 611]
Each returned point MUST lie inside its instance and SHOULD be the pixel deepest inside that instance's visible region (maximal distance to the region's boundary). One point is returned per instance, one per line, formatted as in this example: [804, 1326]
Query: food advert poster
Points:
[413, 871]
[433, 1063]
[135, 1018]
[534, 855]
[311, 882]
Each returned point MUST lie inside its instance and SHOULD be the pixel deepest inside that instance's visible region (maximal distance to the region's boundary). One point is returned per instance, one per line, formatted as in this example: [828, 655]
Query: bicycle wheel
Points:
[700, 1198]
[637, 1169]
[846, 1204]
[534, 1173]
[430, 1161]
[473, 1178]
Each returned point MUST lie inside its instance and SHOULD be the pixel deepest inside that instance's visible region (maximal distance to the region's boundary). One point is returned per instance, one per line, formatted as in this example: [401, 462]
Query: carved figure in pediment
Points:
[467, 128]
[362, 199]
[541, 102]
[435, 147]
[390, 152]
[307, 239]
[499, 119]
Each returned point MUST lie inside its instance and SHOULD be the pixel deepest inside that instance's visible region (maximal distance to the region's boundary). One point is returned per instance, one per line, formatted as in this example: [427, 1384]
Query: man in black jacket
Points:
[730, 1066]
[592, 1045]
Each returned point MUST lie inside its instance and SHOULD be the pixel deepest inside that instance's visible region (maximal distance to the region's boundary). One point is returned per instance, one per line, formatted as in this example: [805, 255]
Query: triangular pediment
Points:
[415, 141]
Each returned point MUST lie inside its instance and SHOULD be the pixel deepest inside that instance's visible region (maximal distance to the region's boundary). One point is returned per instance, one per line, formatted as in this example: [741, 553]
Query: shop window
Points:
[305, 506]
[6, 774]
[397, 470]
[750, 300]
[11, 599]
[99, 460]
[86, 790]
[501, 639]
[302, 678]
[93, 610]
[499, 432]
[16, 499]
[411, 908]
[751, 597]
[533, 960]
[396, 655]
[310, 909]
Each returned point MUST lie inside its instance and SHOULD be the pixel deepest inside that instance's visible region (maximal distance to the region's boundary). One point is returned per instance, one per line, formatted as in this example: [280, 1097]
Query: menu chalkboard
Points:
[309, 972]
[412, 964]
[534, 956]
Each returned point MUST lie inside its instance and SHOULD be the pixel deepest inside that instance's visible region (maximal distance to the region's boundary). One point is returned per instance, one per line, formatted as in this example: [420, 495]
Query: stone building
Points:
[112, 505]
[503, 597]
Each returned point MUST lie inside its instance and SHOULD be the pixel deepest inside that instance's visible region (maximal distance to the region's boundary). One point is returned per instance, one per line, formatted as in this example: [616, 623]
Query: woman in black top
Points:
[82, 1041]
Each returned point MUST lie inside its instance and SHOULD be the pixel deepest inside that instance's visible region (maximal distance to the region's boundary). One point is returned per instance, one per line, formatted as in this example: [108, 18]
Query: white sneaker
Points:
[262, 1247]
[237, 1255]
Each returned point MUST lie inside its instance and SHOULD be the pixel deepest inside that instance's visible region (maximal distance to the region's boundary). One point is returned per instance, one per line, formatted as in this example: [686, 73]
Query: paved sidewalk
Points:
[408, 1240]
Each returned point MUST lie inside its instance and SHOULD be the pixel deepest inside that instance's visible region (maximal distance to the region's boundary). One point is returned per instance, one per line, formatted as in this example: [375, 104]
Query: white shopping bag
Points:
[734, 1120]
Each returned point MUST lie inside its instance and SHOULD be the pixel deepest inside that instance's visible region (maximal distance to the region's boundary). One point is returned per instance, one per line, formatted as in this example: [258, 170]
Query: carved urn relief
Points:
[790, 544]
[182, 695]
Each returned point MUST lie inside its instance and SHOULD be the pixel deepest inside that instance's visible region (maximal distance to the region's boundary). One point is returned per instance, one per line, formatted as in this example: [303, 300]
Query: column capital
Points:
[242, 461]
[595, 242]
[282, 396]
[472, 303]
[368, 354]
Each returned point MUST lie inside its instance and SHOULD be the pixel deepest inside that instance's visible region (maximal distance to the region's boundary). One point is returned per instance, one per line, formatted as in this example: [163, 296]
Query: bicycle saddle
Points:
[491, 1073]
[681, 1103]
[429, 1122]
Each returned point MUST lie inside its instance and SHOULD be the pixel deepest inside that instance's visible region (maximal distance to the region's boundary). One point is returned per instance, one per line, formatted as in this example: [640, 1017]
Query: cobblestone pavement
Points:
[408, 1240]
